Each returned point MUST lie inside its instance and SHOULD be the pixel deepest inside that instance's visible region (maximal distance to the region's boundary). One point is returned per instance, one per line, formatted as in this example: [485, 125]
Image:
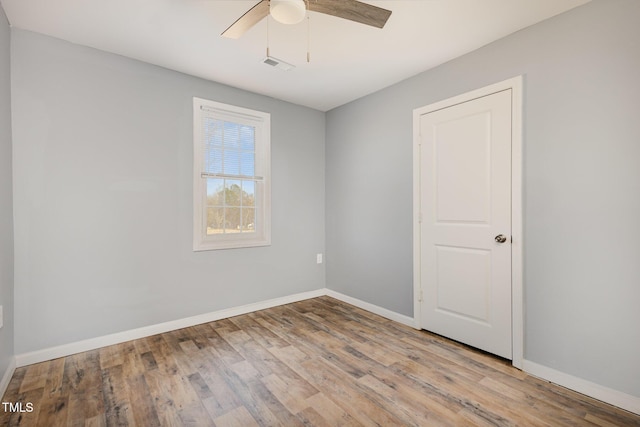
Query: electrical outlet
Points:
[319, 258]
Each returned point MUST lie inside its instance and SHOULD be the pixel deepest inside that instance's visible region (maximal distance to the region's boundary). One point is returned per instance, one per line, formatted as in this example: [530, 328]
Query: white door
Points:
[465, 228]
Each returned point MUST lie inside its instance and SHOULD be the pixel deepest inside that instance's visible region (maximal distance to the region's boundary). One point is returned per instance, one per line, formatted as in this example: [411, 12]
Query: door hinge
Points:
[420, 296]
[419, 217]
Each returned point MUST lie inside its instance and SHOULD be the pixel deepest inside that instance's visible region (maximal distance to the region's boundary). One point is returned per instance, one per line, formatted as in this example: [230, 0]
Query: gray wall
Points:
[581, 187]
[6, 203]
[103, 197]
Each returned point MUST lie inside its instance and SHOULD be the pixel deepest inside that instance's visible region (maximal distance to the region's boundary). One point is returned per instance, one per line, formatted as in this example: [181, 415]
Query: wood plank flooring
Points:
[318, 362]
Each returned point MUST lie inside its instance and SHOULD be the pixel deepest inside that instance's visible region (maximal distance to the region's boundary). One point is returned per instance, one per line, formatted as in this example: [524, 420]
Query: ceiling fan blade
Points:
[352, 10]
[248, 20]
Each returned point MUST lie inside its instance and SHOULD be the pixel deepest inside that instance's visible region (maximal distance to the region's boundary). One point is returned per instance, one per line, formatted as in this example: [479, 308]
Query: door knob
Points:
[500, 238]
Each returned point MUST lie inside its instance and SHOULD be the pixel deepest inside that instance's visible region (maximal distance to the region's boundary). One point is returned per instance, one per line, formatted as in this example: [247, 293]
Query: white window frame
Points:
[262, 123]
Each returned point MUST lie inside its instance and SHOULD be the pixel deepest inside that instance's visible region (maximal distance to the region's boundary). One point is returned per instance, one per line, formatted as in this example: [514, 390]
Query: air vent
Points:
[278, 63]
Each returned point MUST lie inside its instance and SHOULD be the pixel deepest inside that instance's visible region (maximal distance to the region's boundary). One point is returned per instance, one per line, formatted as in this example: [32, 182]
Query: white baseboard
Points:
[391, 315]
[6, 378]
[613, 397]
[146, 331]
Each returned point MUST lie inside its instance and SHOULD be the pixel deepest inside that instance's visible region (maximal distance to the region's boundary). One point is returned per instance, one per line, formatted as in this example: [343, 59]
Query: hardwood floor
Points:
[318, 362]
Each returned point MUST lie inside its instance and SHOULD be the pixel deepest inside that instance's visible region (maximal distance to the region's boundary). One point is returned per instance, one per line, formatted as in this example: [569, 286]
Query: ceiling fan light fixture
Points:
[288, 11]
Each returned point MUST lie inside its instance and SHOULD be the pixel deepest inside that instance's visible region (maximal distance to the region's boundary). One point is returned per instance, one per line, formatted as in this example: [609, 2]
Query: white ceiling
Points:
[348, 60]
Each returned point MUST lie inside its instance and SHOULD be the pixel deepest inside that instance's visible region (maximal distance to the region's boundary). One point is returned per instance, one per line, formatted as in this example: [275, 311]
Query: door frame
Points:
[517, 289]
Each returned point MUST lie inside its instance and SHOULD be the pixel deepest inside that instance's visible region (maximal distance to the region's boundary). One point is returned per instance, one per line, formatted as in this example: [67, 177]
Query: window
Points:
[231, 194]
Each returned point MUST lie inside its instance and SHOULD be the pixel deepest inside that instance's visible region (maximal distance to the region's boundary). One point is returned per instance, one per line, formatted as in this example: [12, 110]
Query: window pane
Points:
[247, 138]
[248, 163]
[248, 220]
[218, 133]
[232, 220]
[248, 193]
[212, 131]
[215, 192]
[215, 221]
[231, 162]
[231, 135]
[233, 192]
[213, 159]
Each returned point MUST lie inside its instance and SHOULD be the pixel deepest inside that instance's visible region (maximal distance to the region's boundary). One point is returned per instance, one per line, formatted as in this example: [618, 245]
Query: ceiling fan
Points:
[294, 11]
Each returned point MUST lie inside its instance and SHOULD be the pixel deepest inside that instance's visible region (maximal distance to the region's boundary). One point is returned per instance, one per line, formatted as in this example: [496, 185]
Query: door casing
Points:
[517, 294]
